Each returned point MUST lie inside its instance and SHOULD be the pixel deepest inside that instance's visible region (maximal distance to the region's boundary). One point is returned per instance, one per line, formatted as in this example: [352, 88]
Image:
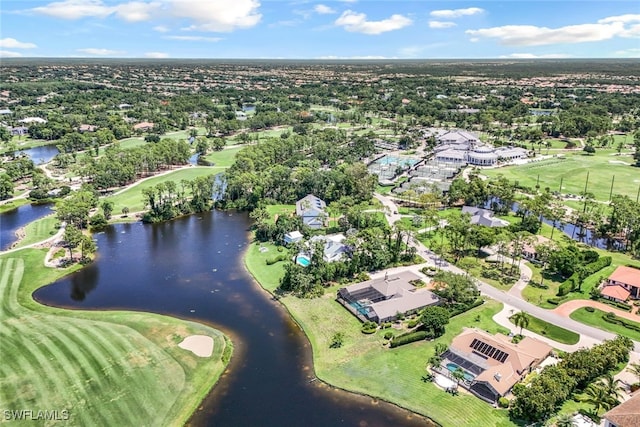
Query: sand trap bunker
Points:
[200, 345]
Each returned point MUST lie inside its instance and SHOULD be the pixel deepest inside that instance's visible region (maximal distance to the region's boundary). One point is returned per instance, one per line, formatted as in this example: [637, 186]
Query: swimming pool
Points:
[359, 307]
[303, 260]
[453, 367]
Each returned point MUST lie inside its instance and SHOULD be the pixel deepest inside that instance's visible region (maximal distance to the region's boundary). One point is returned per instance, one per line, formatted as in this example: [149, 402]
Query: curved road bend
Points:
[503, 297]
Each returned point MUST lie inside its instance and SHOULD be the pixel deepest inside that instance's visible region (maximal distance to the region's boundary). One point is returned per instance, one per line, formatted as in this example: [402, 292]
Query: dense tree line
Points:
[119, 166]
[555, 384]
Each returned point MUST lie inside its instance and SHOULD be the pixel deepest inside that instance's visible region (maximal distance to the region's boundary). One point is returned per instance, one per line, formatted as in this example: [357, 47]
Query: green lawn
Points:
[595, 319]
[39, 230]
[363, 365]
[285, 210]
[132, 197]
[105, 368]
[573, 168]
[550, 331]
[223, 158]
[14, 204]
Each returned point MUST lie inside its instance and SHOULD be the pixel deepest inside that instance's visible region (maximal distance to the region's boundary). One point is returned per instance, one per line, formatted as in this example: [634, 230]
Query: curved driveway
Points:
[513, 300]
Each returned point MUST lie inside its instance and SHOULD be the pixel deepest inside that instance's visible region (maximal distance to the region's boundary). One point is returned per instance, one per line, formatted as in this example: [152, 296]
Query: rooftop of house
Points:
[627, 414]
[311, 204]
[503, 361]
[627, 275]
[615, 291]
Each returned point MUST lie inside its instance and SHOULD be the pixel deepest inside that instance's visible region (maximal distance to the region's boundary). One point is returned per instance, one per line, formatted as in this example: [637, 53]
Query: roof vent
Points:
[497, 376]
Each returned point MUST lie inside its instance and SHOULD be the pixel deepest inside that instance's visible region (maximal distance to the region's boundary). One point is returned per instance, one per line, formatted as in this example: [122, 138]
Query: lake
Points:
[12, 220]
[40, 155]
[192, 268]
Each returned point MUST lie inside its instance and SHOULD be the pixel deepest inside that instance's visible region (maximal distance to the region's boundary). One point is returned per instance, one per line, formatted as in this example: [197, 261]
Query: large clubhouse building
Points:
[462, 147]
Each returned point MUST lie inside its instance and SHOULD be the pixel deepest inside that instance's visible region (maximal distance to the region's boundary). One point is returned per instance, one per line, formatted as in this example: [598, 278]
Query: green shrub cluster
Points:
[556, 300]
[369, 327]
[412, 323]
[616, 304]
[388, 335]
[411, 337]
[555, 384]
[503, 402]
[275, 259]
[590, 309]
[454, 310]
[612, 318]
[572, 282]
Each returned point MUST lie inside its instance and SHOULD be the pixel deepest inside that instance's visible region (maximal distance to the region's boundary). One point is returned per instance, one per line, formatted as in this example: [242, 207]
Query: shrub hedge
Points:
[612, 318]
[411, 337]
[273, 260]
[591, 268]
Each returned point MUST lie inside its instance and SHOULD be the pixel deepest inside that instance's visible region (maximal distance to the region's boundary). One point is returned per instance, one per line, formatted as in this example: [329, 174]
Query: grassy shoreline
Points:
[121, 366]
[398, 371]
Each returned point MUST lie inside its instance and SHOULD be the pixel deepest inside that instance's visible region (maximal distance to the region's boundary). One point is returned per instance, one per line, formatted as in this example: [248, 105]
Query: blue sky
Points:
[320, 29]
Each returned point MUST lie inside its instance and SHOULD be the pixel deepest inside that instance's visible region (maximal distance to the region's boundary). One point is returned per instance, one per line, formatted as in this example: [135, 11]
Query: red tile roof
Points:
[627, 275]
[616, 291]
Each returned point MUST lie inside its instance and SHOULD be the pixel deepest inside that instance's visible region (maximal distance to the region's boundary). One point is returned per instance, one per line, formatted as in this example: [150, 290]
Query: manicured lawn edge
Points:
[195, 376]
[550, 331]
[595, 319]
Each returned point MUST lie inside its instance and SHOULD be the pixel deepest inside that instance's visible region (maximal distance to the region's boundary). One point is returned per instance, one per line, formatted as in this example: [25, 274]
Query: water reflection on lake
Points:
[192, 268]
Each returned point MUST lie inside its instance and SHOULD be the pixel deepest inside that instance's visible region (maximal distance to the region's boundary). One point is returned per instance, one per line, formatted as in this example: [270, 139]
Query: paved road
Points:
[591, 334]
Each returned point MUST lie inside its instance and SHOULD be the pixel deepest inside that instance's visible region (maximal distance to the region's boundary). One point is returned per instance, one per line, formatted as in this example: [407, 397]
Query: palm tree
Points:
[565, 420]
[521, 319]
[613, 387]
[458, 375]
[634, 368]
[597, 396]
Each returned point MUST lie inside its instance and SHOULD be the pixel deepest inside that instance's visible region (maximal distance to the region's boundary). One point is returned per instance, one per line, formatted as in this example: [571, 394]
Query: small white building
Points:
[293, 237]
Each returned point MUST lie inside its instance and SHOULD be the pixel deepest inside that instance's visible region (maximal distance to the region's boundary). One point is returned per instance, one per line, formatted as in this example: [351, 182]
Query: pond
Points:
[12, 220]
[192, 268]
[40, 155]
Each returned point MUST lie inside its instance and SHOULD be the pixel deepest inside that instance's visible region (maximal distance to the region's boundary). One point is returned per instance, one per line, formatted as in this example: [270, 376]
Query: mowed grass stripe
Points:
[12, 271]
[89, 377]
[41, 366]
[114, 371]
[12, 370]
[144, 375]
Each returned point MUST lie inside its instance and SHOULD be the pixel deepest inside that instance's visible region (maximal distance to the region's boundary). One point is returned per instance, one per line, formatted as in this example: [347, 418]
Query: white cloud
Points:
[441, 24]
[455, 13]
[157, 55]
[136, 11]
[161, 29]
[534, 56]
[323, 9]
[75, 9]
[15, 44]
[194, 38]
[9, 54]
[206, 15]
[530, 35]
[100, 52]
[620, 18]
[357, 23]
[217, 15]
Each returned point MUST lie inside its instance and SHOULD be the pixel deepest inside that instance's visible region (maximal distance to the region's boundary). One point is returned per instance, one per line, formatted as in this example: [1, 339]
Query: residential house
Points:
[334, 248]
[381, 300]
[626, 414]
[293, 237]
[312, 210]
[32, 120]
[492, 363]
[19, 130]
[143, 126]
[483, 217]
[625, 278]
[529, 251]
[87, 128]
